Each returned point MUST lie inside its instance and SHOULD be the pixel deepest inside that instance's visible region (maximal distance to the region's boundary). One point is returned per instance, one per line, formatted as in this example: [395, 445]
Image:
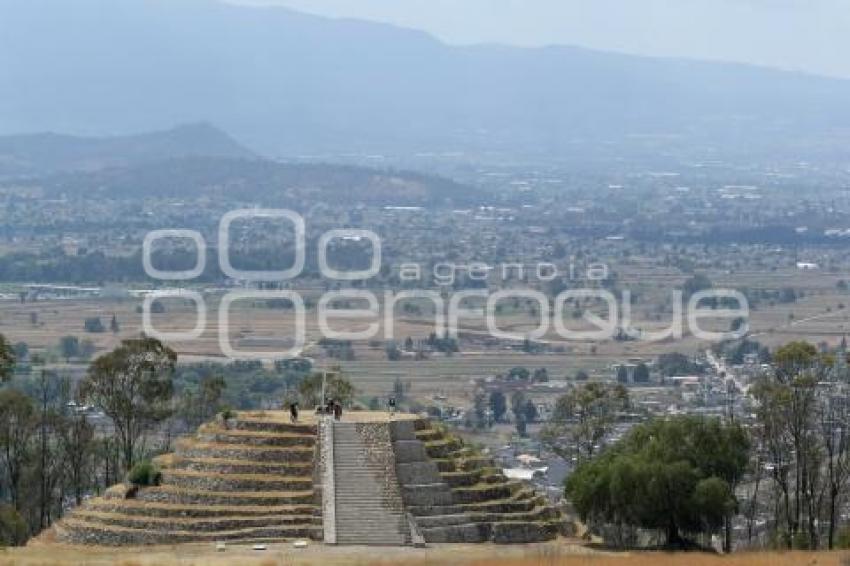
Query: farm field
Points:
[819, 315]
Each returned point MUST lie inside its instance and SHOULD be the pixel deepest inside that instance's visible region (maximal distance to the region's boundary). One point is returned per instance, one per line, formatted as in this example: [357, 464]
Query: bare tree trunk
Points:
[833, 516]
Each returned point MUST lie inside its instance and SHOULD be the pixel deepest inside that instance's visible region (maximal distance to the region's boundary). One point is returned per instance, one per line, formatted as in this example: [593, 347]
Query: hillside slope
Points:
[37, 154]
[262, 181]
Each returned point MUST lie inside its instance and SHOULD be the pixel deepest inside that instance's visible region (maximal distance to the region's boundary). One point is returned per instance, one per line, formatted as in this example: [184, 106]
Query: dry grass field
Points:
[549, 554]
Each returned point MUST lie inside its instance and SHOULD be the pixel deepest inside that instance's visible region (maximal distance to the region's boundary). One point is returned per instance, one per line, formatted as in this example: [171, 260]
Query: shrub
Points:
[144, 473]
[842, 539]
[800, 541]
[13, 528]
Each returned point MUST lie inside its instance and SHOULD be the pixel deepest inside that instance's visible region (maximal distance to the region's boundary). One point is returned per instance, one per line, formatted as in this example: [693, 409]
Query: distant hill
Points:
[265, 182]
[38, 154]
[289, 83]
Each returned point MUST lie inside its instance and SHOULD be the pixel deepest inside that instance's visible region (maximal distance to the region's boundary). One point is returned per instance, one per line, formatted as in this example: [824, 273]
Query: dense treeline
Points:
[51, 457]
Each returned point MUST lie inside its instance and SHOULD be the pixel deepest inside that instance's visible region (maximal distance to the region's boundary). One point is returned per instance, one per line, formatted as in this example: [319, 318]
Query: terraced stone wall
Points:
[250, 479]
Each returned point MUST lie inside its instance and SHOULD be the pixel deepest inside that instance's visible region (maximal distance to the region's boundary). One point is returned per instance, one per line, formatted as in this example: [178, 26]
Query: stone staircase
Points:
[369, 507]
[249, 481]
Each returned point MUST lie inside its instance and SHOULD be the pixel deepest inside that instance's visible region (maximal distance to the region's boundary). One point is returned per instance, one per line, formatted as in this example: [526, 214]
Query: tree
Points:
[393, 352]
[674, 363]
[521, 427]
[786, 407]
[337, 387]
[398, 390]
[641, 373]
[480, 408]
[132, 385]
[529, 412]
[94, 325]
[498, 405]
[197, 405]
[695, 284]
[793, 359]
[583, 418]
[520, 373]
[834, 418]
[48, 464]
[209, 398]
[7, 359]
[674, 476]
[70, 347]
[77, 446]
[21, 350]
[87, 349]
[518, 404]
[17, 425]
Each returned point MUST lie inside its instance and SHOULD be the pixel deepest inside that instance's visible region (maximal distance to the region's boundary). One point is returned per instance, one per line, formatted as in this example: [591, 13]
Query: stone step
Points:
[462, 479]
[443, 448]
[429, 435]
[355, 511]
[523, 502]
[463, 464]
[225, 466]
[216, 524]
[429, 510]
[255, 423]
[176, 495]
[254, 438]
[234, 482]
[484, 492]
[459, 533]
[77, 531]
[427, 495]
[432, 521]
[279, 454]
[154, 509]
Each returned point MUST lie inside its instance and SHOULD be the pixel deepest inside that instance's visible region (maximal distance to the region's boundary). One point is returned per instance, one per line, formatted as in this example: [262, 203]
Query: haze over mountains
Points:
[285, 83]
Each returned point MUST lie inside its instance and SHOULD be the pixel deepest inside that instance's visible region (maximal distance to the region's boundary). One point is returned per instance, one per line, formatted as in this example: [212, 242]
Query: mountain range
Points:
[287, 83]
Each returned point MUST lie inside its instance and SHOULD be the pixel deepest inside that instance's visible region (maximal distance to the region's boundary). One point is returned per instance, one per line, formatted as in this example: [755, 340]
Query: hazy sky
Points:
[809, 35]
